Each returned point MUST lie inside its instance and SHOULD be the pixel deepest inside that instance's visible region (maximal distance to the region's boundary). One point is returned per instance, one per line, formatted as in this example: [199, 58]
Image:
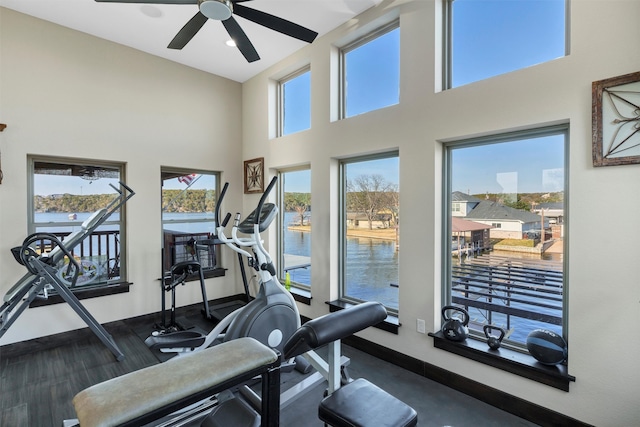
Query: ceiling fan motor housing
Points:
[219, 10]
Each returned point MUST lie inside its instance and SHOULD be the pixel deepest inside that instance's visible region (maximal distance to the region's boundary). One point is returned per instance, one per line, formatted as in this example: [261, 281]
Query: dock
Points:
[294, 262]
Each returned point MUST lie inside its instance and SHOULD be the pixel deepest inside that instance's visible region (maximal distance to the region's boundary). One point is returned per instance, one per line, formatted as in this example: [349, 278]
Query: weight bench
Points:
[363, 404]
[144, 396]
[358, 403]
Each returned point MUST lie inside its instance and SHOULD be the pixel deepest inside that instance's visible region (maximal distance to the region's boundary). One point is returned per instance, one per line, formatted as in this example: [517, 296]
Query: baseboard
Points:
[494, 397]
[63, 338]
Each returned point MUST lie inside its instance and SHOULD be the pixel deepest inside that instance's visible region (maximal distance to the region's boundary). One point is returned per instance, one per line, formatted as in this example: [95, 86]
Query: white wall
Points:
[64, 93]
[603, 286]
[68, 94]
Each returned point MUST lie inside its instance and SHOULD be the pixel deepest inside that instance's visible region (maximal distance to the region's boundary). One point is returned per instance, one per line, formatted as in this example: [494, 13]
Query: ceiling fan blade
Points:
[187, 32]
[277, 24]
[240, 38]
[150, 1]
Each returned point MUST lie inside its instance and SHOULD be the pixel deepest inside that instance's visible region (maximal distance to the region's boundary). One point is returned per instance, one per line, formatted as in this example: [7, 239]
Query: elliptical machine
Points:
[271, 317]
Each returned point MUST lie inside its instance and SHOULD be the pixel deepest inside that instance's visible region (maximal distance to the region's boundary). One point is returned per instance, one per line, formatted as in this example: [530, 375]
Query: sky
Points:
[527, 166]
[46, 185]
[489, 37]
[492, 37]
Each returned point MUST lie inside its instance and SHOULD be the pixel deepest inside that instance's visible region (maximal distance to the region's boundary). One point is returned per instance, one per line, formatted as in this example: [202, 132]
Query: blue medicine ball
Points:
[547, 347]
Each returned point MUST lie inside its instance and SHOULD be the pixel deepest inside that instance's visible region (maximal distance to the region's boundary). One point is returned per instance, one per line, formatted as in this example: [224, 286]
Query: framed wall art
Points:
[616, 120]
[254, 176]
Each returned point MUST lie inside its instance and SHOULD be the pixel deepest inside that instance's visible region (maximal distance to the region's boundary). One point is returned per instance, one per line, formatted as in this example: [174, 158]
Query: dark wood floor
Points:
[39, 378]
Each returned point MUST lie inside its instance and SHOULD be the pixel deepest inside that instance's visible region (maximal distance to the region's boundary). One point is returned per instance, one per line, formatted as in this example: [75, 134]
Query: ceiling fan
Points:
[222, 10]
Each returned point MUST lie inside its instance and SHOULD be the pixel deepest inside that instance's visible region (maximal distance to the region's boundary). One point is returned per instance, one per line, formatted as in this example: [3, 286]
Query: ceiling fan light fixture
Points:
[219, 10]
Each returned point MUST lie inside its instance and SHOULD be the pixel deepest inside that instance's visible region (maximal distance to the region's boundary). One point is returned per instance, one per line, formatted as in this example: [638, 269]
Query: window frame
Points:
[349, 47]
[448, 147]
[342, 224]
[209, 271]
[298, 289]
[107, 287]
[280, 100]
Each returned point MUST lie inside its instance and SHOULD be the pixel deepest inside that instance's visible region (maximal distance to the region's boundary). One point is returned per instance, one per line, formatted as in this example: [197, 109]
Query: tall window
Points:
[294, 102]
[64, 193]
[505, 257]
[295, 228]
[370, 69]
[486, 38]
[188, 213]
[369, 228]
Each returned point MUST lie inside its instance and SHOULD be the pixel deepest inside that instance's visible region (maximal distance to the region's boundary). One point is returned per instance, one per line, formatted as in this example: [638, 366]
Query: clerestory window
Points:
[370, 72]
[485, 38]
[294, 102]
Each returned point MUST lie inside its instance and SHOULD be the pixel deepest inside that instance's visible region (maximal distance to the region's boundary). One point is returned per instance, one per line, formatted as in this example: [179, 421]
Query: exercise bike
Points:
[271, 317]
[202, 251]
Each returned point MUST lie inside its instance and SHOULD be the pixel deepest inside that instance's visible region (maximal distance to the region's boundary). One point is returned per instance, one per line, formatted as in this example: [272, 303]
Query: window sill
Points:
[390, 324]
[508, 360]
[111, 289]
[208, 274]
[301, 295]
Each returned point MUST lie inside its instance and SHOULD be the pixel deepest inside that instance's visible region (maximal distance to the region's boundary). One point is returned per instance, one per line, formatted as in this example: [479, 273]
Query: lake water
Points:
[371, 270]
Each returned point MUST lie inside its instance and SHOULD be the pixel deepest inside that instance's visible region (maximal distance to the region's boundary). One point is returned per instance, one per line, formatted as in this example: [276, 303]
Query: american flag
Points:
[187, 179]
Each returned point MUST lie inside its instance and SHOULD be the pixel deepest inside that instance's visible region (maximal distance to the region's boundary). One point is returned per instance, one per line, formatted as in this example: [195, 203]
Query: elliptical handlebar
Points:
[242, 241]
[217, 210]
[238, 243]
[219, 227]
[256, 221]
[263, 199]
[226, 219]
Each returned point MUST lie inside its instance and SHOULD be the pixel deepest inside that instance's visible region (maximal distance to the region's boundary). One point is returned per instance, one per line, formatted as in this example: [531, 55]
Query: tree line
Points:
[172, 200]
[369, 195]
[523, 201]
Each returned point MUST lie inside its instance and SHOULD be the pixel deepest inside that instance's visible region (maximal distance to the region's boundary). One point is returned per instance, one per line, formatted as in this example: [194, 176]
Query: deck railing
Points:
[516, 294]
[98, 253]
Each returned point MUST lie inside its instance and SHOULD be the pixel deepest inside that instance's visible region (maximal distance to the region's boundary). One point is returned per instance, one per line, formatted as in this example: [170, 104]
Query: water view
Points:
[371, 268]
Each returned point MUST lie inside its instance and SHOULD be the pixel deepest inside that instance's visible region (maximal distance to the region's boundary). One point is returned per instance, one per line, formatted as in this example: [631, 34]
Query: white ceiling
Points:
[150, 28]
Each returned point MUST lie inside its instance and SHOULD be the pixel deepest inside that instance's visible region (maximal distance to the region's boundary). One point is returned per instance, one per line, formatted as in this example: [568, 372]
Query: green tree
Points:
[370, 195]
[299, 203]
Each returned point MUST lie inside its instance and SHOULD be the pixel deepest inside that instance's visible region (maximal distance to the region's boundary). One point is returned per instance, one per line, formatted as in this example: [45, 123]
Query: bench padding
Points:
[135, 394]
[363, 404]
[334, 326]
